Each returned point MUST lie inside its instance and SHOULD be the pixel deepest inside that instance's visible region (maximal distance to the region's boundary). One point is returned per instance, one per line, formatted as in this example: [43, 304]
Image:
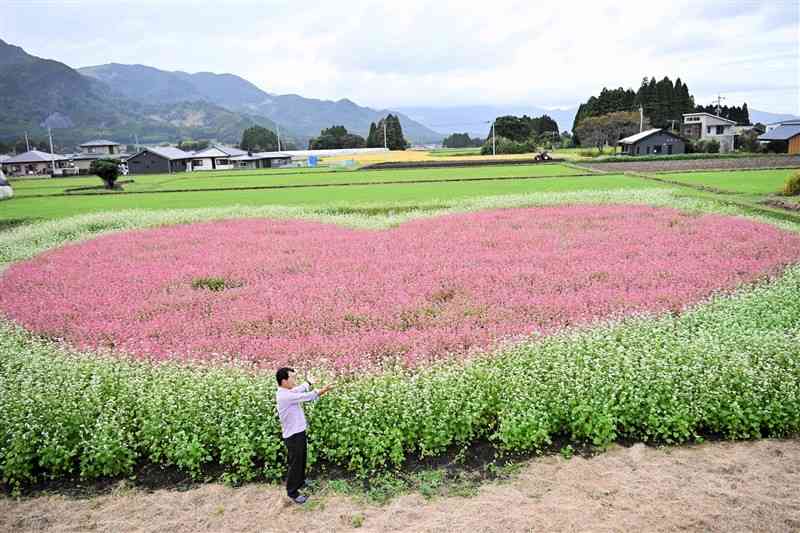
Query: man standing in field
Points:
[293, 423]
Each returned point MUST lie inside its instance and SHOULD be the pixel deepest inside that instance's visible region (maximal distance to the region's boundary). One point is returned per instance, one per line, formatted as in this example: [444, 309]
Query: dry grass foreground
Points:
[745, 486]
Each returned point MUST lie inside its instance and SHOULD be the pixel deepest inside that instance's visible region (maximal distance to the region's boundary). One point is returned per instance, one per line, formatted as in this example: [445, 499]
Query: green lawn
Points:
[24, 209]
[738, 181]
[244, 179]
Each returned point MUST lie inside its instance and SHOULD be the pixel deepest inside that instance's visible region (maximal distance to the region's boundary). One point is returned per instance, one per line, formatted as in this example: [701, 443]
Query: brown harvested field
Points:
[733, 163]
[745, 486]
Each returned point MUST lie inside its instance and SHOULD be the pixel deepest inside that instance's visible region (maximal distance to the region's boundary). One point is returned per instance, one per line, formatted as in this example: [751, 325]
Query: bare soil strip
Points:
[723, 486]
[732, 163]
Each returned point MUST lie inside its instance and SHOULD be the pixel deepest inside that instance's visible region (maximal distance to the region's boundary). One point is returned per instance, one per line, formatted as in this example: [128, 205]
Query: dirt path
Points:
[749, 486]
[732, 163]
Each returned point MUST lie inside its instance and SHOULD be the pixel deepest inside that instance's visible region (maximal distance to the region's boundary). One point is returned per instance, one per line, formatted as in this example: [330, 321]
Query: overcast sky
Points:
[440, 53]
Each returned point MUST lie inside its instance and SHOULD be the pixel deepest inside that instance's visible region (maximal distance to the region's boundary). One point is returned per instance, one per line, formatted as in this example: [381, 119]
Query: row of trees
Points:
[519, 135]
[740, 114]
[336, 137]
[608, 128]
[259, 139]
[664, 103]
[191, 145]
[461, 140]
[522, 129]
[394, 139]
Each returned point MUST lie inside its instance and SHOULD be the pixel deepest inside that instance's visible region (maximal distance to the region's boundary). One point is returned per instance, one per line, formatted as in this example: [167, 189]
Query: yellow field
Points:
[423, 155]
[416, 155]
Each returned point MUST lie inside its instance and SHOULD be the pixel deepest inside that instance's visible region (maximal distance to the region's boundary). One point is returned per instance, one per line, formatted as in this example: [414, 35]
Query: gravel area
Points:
[724, 486]
[732, 163]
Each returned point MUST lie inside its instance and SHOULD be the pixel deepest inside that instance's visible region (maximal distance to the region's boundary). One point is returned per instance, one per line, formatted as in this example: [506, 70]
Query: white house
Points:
[216, 157]
[708, 127]
[261, 160]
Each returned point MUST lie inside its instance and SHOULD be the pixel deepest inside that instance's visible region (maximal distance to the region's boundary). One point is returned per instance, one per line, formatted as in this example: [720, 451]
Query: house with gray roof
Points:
[787, 131]
[261, 160]
[35, 163]
[656, 141]
[101, 147]
[96, 149]
[216, 157]
[159, 160]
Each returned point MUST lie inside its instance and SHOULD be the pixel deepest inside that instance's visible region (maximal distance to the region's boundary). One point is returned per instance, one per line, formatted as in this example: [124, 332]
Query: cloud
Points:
[437, 53]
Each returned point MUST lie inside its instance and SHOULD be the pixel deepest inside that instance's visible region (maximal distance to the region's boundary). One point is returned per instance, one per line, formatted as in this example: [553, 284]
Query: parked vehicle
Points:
[5, 188]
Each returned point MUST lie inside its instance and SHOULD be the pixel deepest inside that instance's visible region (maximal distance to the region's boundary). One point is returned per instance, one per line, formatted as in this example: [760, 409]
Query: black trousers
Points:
[296, 446]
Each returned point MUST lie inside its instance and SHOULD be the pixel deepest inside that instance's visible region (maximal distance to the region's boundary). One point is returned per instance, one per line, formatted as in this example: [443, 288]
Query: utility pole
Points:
[27, 143]
[279, 136]
[52, 155]
[385, 140]
[494, 152]
[641, 118]
[720, 98]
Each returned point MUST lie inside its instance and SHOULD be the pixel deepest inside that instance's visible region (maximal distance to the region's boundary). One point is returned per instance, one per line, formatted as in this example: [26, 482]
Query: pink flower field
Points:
[312, 293]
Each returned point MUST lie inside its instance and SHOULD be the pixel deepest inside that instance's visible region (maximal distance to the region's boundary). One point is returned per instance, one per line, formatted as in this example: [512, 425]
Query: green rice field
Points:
[736, 181]
[22, 209]
[275, 178]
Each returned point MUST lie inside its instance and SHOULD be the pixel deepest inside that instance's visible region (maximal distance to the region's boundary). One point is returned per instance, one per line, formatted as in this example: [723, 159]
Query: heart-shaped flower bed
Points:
[310, 293]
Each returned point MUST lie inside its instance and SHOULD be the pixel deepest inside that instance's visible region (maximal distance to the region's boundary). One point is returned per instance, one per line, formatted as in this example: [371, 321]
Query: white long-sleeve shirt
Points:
[290, 413]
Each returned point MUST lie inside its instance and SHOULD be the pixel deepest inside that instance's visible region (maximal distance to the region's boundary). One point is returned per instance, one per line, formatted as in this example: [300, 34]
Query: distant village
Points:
[702, 127]
[159, 159]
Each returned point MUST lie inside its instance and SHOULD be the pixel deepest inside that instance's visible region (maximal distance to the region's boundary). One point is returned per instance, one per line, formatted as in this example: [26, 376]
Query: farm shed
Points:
[653, 142]
[159, 160]
[788, 132]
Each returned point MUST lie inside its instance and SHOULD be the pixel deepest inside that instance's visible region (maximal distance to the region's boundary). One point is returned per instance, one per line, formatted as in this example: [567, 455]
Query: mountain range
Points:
[128, 101]
[125, 102]
[303, 117]
[476, 120]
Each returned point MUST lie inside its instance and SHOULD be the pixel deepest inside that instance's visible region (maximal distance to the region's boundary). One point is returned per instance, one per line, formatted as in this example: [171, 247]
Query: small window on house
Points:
[197, 162]
[656, 149]
[223, 162]
[709, 130]
[720, 130]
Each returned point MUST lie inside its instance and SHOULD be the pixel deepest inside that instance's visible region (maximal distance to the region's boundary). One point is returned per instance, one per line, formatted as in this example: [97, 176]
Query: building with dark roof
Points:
[656, 141]
[159, 160]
